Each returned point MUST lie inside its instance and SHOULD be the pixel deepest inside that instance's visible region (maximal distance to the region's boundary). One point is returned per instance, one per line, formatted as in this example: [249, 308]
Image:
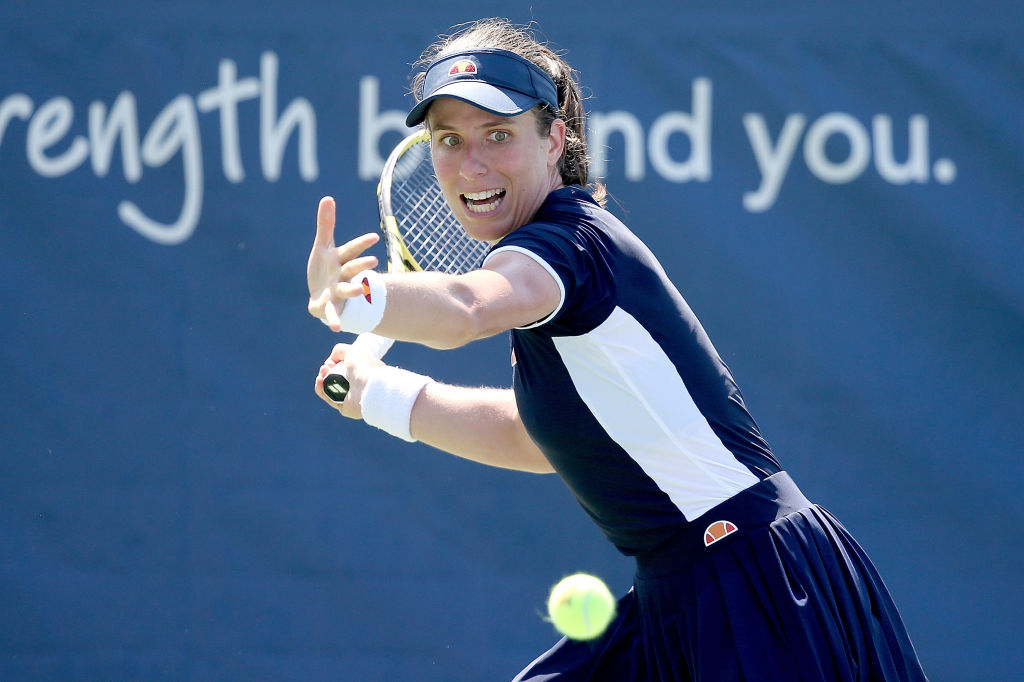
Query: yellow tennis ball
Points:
[581, 606]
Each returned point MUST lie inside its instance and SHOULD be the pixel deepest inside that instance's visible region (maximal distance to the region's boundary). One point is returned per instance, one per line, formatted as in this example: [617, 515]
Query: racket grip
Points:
[335, 383]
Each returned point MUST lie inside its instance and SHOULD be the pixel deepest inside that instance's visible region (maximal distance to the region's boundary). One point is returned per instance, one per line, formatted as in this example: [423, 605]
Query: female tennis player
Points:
[616, 387]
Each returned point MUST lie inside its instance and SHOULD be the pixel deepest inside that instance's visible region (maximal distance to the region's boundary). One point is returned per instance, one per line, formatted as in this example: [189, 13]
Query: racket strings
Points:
[432, 235]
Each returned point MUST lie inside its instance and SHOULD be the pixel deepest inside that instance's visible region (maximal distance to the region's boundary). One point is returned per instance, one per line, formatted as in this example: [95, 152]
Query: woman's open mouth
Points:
[485, 201]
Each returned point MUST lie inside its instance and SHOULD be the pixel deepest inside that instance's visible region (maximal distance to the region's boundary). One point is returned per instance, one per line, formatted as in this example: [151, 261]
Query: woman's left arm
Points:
[447, 311]
[431, 308]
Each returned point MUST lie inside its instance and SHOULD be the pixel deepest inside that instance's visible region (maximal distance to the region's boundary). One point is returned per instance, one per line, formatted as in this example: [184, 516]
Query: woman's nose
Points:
[473, 165]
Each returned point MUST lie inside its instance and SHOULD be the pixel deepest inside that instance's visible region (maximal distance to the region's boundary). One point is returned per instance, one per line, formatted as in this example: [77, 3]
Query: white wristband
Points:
[388, 397]
[364, 313]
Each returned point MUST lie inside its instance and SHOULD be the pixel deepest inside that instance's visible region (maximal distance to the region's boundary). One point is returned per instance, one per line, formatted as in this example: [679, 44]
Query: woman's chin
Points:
[484, 228]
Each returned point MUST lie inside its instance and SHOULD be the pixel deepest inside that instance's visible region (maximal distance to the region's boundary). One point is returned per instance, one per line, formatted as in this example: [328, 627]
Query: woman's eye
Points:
[449, 140]
[499, 135]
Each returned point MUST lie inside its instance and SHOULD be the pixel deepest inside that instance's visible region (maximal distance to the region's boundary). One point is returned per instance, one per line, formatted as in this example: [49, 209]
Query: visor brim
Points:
[500, 101]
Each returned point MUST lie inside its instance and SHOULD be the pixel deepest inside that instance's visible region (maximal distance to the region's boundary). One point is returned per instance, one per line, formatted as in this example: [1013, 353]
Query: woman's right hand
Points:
[357, 366]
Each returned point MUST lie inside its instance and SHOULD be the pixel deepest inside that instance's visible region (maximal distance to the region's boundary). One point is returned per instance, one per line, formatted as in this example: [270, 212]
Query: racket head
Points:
[420, 230]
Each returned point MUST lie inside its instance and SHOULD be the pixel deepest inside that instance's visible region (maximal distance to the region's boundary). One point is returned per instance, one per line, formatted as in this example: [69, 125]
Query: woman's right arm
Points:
[479, 424]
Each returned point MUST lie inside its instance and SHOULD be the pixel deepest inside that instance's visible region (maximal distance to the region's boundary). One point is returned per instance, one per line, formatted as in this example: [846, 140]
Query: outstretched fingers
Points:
[350, 250]
[330, 268]
[325, 223]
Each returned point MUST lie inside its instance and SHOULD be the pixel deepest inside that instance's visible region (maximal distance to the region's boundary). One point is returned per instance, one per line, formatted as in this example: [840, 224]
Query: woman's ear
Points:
[556, 139]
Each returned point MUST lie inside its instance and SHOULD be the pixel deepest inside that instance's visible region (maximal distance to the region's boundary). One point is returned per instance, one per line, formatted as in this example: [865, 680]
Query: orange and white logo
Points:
[462, 66]
[366, 290]
[718, 530]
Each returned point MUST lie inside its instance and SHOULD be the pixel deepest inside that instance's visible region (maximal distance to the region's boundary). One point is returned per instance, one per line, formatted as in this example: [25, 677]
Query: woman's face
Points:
[495, 171]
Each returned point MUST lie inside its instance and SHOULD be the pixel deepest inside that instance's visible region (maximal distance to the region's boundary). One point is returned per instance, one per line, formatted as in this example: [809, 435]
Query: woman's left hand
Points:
[331, 267]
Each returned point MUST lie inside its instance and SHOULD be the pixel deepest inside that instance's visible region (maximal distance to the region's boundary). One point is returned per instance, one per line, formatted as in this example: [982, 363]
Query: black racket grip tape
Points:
[336, 385]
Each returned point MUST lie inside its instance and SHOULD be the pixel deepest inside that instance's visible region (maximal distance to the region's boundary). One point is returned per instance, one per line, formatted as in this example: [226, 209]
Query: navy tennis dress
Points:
[739, 576]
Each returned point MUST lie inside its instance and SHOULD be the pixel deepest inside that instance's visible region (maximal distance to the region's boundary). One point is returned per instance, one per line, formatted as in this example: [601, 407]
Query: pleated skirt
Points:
[786, 596]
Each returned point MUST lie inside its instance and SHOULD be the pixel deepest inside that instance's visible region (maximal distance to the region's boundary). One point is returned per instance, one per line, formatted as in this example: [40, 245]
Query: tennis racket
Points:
[420, 233]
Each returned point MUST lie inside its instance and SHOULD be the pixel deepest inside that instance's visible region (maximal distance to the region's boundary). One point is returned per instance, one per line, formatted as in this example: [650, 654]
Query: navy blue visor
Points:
[497, 81]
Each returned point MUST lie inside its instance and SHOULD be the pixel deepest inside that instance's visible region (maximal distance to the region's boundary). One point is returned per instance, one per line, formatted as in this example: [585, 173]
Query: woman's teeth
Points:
[485, 201]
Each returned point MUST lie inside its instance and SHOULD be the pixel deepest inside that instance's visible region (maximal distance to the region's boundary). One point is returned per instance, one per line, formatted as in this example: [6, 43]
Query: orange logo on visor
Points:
[462, 66]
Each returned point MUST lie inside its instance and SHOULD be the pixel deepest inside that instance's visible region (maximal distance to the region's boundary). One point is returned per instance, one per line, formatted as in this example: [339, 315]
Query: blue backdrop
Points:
[837, 191]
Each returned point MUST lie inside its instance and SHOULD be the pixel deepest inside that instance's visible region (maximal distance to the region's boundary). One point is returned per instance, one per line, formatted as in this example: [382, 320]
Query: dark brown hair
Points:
[574, 165]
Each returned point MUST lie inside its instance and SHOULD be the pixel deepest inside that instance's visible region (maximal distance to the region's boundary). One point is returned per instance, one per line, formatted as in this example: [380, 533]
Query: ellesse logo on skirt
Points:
[718, 530]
